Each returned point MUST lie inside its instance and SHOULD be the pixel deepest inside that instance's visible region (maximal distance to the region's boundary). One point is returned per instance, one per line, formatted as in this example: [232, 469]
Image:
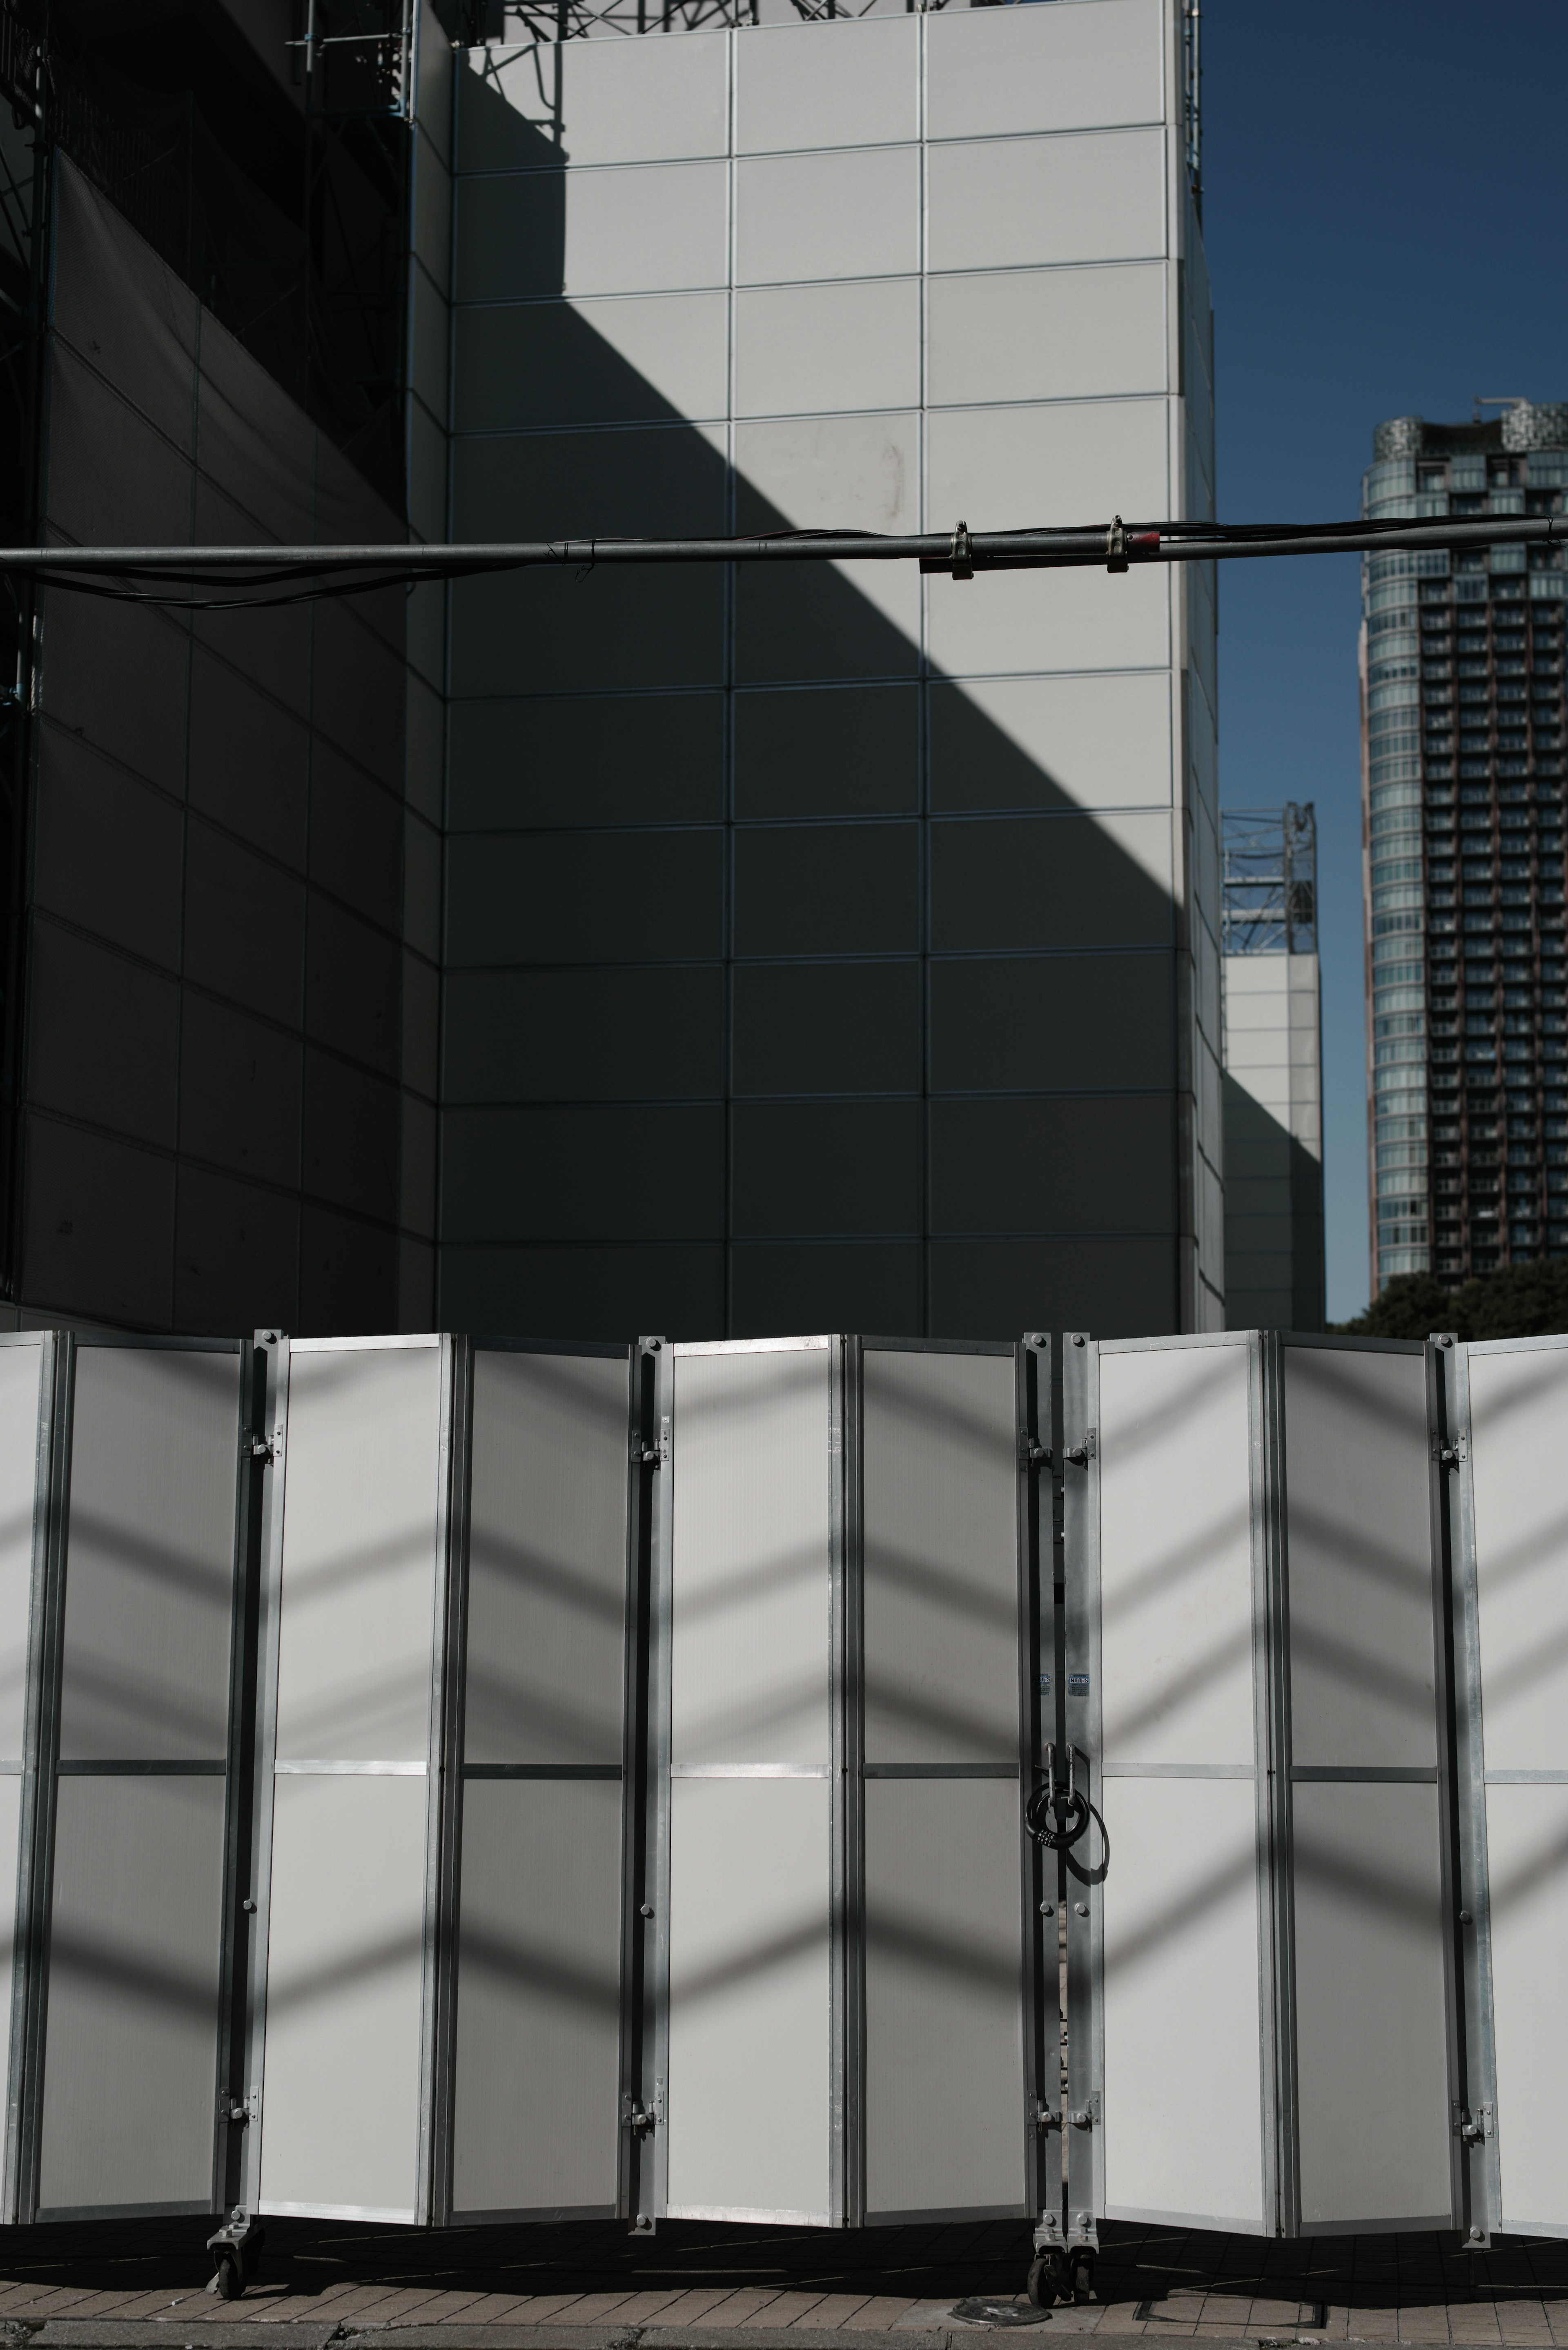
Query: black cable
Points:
[1057, 1815]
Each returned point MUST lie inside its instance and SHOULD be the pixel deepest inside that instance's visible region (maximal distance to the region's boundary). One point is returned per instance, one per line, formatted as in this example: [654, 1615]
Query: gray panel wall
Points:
[536, 2123]
[875, 918]
[944, 1997]
[130, 2070]
[941, 1532]
[547, 1565]
[943, 1929]
[1181, 1954]
[25, 1414]
[21, 1502]
[1518, 1403]
[536, 2116]
[355, 1601]
[751, 1749]
[131, 2052]
[1372, 2093]
[231, 960]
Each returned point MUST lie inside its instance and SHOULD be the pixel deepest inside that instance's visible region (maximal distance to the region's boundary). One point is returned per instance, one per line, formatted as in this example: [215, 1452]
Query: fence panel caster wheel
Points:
[235, 2249]
[1081, 2276]
[1047, 2279]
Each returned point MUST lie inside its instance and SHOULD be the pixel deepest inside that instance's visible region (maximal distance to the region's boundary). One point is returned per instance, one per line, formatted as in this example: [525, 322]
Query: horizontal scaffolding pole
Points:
[959, 553]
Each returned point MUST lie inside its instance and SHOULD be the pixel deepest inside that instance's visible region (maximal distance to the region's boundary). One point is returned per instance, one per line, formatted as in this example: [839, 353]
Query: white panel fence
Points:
[463, 1779]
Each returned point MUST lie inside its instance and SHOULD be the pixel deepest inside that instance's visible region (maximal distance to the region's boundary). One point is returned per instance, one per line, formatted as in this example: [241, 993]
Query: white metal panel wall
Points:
[1371, 2022]
[944, 1936]
[1514, 1563]
[353, 1610]
[754, 2107]
[1182, 1933]
[136, 1939]
[537, 2122]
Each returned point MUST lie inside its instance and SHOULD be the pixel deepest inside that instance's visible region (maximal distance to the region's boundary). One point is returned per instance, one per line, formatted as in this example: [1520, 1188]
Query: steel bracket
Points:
[1084, 2117]
[654, 1455]
[266, 1447]
[1451, 1455]
[1049, 2234]
[1080, 1455]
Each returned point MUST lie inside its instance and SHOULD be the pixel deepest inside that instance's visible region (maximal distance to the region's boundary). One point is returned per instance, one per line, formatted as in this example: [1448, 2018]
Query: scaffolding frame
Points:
[1268, 881]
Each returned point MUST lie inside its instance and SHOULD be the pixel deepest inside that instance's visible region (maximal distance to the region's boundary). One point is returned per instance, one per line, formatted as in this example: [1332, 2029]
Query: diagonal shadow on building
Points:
[785, 988]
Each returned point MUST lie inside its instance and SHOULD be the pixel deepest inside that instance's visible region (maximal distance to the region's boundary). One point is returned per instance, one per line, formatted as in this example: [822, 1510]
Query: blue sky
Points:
[1386, 212]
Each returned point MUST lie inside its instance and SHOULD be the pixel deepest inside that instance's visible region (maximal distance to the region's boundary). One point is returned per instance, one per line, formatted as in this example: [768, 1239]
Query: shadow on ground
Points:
[1167, 2278]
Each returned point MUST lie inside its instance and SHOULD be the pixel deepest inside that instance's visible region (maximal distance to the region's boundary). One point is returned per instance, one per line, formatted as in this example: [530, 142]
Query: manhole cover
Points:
[984, 2311]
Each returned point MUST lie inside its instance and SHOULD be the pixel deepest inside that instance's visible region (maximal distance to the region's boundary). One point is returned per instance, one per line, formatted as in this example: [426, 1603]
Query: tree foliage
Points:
[1521, 1301]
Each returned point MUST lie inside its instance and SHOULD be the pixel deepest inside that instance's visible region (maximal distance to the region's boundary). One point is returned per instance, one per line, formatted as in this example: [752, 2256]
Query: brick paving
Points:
[739, 2281]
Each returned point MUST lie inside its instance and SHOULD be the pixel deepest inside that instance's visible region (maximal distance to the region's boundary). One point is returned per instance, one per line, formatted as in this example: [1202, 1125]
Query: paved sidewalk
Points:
[585, 2281]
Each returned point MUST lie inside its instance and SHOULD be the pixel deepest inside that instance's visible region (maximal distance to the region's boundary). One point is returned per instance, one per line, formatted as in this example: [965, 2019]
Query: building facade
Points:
[723, 954]
[1462, 775]
[1272, 1027]
[830, 949]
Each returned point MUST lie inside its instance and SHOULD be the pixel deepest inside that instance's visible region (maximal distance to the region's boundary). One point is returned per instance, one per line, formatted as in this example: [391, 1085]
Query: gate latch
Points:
[1032, 1455]
[1080, 1455]
[1085, 2116]
[264, 1448]
[1450, 1454]
[240, 2112]
[1474, 2132]
[1041, 2115]
[654, 1455]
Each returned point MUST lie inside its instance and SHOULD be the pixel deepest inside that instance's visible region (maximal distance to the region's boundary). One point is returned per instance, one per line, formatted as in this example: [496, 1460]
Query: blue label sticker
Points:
[1077, 1685]
[1045, 1684]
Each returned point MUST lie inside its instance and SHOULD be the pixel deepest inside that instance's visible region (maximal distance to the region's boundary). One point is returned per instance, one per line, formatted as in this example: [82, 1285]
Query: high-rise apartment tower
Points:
[1461, 736]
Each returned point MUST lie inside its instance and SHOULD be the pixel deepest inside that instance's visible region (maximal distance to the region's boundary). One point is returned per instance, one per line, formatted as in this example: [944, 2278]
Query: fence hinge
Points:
[654, 1455]
[266, 1448]
[1032, 1455]
[1085, 2116]
[1472, 2132]
[1452, 1453]
[1040, 2115]
[240, 2112]
[1082, 1454]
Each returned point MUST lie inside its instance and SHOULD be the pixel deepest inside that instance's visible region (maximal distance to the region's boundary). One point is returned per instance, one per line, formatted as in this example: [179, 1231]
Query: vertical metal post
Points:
[450, 1681]
[850, 1879]
[27, 1946]
[1473, 2102]
[273, 1350]
[1272, 1762]
[1037, 1681]
[228, 2157]
[39, 1809]
[647, 2049]
[839, 1921]
[1079, 1877]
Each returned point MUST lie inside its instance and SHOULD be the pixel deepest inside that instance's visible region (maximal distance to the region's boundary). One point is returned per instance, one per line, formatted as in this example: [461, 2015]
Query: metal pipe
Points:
[936, 550]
